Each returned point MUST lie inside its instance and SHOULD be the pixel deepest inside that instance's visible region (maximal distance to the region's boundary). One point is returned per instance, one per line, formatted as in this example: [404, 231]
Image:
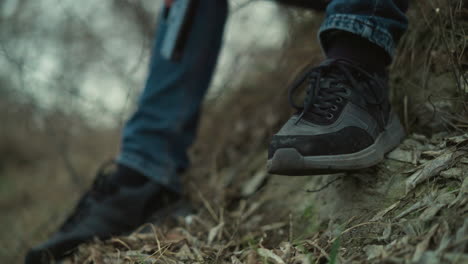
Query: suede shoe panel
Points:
[351, 115]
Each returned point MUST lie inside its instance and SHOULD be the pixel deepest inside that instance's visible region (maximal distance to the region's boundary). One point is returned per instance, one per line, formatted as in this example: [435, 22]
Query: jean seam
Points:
[377, 2]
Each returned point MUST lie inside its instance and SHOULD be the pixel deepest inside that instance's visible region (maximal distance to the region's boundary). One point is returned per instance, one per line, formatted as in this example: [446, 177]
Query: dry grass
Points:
[429, 75]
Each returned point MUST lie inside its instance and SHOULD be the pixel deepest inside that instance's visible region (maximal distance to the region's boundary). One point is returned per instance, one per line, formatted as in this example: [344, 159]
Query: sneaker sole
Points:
[288, 161]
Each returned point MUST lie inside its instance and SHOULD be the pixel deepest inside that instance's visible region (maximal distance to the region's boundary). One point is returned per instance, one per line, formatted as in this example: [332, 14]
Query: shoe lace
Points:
[327, 84]
[101, 187]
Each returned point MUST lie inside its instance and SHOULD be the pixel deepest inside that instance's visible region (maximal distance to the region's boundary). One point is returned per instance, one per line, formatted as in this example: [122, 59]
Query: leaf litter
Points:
[410, 229]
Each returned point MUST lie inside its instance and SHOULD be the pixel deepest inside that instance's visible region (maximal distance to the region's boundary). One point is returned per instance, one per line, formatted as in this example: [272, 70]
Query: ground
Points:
[412, 208]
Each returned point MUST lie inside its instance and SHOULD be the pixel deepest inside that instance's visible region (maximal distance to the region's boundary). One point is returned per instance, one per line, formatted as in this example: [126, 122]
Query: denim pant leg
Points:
[382, 22]
[156, 138]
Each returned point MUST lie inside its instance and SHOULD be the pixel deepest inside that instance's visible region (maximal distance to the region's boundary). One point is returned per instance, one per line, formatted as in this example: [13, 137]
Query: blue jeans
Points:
[156, 138]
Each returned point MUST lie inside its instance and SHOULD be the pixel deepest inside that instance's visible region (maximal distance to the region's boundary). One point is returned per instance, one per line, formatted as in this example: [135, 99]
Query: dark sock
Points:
[368, 55]
[128, 176]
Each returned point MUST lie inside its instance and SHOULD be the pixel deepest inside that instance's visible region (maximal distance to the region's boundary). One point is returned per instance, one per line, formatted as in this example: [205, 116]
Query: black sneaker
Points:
[114, 205]
[346, 123]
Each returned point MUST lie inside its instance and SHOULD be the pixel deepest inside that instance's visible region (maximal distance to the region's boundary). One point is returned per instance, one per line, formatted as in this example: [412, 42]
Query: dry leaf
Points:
[422, 246]
[431, 169]
[214, 232]
[270, 255]
[402, 155]
[375, 251]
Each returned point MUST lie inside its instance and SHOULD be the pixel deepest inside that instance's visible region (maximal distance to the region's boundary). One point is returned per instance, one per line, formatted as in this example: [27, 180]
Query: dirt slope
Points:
[410, 209]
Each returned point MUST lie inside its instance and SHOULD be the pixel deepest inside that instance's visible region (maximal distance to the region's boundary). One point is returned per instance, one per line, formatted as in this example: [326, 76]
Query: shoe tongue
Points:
[331, 69]
[327, 62]
[372, 95]
[102, 184]
[331, 75]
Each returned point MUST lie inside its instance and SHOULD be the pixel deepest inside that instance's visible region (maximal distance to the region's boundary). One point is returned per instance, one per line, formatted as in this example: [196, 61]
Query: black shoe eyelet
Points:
[330, 116]
[339, 100]
[334, 107]
[348, 92]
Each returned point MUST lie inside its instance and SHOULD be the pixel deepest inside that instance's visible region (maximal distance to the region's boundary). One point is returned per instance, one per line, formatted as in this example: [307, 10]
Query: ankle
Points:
[128, 177]
[364, 53]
